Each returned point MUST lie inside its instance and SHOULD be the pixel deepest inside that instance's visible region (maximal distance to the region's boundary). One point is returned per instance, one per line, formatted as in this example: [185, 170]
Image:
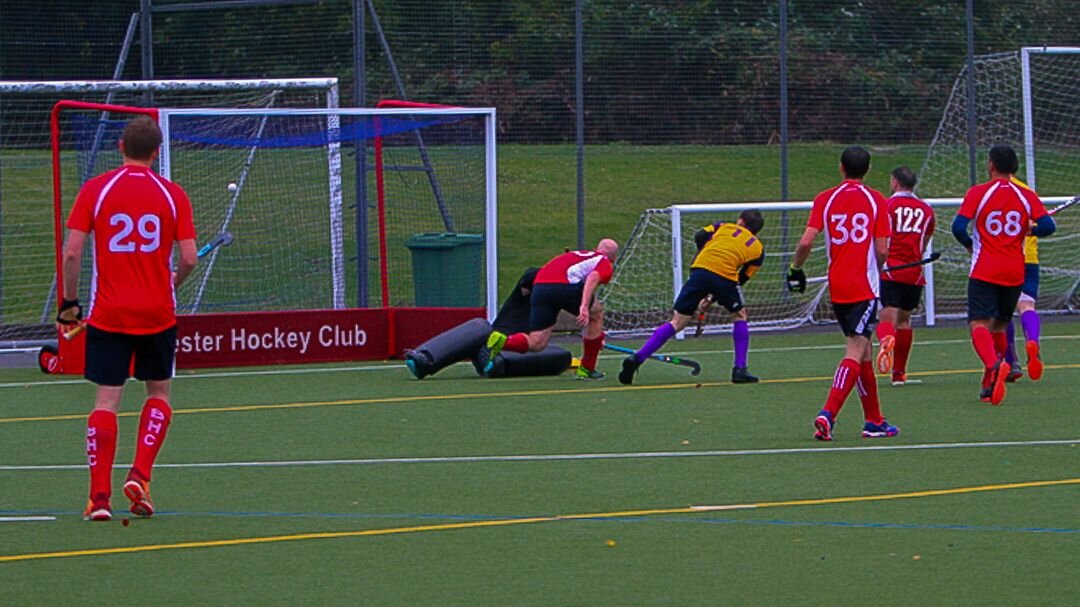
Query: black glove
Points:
[70, 312]
[796, 280]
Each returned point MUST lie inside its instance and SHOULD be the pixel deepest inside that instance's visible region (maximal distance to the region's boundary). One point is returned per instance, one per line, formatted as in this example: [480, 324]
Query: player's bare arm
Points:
[881, 247]
[796, 276]
[71, 264]
[189, 257]
[591, 281]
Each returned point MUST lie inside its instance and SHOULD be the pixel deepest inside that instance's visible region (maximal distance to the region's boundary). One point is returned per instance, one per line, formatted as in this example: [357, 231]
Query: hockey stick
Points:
[695, 368]
[223, 239]
[1063, 206]
[933, 257]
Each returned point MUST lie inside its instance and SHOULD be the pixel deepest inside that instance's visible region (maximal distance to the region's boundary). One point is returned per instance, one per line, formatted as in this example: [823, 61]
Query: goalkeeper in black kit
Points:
[728, 255]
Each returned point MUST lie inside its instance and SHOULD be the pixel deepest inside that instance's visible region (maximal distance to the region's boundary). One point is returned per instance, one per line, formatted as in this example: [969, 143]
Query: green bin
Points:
[448, 268]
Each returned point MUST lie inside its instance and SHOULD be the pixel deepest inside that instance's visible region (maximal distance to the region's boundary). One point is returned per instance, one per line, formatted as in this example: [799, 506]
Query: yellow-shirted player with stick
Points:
[1029, 318]
[728, 255]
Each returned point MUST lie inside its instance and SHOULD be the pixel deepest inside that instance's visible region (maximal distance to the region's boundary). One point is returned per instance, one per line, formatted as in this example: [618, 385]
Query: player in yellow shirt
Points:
[1029, 318]
[728, 255]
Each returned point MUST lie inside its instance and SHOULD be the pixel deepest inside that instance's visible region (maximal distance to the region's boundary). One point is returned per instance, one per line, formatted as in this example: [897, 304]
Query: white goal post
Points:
[655, 262]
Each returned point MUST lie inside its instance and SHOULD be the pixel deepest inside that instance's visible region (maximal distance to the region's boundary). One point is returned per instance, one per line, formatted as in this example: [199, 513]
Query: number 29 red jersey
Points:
[851, 216]
[912, 222]
[135, 216]
[1000, 213]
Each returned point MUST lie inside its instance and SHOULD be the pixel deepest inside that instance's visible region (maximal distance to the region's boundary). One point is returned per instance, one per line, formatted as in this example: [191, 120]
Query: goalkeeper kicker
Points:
[729, 254]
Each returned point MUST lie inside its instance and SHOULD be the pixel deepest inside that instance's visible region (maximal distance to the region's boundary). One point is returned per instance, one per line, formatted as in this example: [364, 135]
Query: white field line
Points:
[400, 366]
[471, 459]
[25, 519]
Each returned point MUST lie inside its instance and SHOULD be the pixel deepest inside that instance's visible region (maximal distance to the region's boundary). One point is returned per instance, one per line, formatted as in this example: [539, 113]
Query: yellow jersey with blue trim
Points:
[1031, 243]
[732, 251]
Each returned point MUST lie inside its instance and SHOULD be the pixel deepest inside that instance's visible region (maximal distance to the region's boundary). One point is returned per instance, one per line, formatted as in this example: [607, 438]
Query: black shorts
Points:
[1031, 281]
[987, 300]
[109, 356]
[548, 298]
[900, 295]
[856, 318]
[725, 292]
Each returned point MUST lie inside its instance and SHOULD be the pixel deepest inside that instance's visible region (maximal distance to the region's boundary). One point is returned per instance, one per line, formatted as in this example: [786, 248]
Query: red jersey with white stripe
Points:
[1000, 212]
[851, 215]
[135, 215]
[573, 267]
[912, 223]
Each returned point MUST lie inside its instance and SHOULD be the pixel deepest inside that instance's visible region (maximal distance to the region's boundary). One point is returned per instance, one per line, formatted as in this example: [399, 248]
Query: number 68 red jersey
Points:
[851, 216]
[135, 216]
[1000, 213]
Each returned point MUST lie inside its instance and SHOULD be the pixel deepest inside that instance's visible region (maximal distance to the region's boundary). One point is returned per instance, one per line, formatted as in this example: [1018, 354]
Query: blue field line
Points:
[628, 519]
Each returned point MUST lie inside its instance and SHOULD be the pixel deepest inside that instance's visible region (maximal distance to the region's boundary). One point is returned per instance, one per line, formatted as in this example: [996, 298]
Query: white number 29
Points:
[149, 227]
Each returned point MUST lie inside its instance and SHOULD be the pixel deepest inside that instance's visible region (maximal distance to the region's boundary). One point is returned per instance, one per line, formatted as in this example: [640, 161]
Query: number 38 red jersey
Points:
[851, 216]
[1000, 213]
[912, 222]
[135, 216]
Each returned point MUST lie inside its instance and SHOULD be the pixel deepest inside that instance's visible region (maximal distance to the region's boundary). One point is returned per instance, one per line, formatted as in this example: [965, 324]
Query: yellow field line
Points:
[480, 395]
[525, 521]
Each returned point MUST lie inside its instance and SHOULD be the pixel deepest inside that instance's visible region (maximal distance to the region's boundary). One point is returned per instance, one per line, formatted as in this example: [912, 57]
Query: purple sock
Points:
[1010, 343]
[740, 334]
[662, 333]
[1030, 321]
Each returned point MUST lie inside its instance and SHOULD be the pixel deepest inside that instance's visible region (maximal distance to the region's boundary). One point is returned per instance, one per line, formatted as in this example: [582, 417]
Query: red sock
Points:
[867, 386]
[904, 339]
[153, 425]
[100, 452]
[518, 342]
[983, 343]
[885, 328]
[591, 351]
[1001, 343]
[843, 381]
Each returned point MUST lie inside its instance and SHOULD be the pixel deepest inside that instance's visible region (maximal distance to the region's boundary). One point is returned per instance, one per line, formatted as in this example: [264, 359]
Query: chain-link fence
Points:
[667, 85]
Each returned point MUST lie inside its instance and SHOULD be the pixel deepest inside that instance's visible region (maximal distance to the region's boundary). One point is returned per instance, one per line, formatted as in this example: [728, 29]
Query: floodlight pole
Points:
[360, 90]
[579, 120]
[971, 132]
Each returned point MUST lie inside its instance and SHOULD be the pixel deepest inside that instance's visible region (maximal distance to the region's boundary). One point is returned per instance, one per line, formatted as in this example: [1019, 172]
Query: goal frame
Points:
[338, 266]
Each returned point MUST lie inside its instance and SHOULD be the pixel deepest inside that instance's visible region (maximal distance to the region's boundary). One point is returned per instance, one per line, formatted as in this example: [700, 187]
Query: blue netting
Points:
[281, 131]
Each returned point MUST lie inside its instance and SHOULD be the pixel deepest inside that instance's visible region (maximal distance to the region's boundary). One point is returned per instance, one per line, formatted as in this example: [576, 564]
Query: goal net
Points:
[283, 183]
[424, 234]
[27, 256]
[656, 260]
[1026, 99]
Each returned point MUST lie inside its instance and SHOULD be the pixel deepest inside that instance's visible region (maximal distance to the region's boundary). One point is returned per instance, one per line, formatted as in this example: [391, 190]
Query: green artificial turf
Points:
[393, 491]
